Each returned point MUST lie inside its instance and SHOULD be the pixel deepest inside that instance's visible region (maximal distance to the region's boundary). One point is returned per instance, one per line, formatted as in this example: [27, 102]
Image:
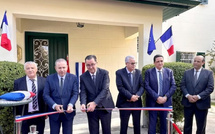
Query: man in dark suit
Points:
[129, 82]
[96, 97]
[27, 83]
[197, 85]
[160, 86]
[61, 94]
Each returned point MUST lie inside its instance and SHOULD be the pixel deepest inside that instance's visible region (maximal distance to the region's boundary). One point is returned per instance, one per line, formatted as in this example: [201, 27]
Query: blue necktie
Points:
[130, 78]
[94, 79]
[160, 84]
[35, 97]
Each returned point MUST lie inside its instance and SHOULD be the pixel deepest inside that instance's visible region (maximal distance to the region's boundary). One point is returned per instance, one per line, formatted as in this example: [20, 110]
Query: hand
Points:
[196, 98]
[83, 108]
[59, 108]
[91, 106]
[160, 100]
[164, 99]
[46, 117]
[134, 98]
[69, 109]
[191, 99]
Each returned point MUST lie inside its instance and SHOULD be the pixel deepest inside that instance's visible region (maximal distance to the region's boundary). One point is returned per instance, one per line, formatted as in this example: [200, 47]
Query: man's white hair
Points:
[129, 57]
[29, 62]
[60, 60]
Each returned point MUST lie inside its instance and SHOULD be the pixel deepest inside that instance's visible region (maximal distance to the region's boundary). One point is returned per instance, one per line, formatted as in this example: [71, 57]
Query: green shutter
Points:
[178, 56]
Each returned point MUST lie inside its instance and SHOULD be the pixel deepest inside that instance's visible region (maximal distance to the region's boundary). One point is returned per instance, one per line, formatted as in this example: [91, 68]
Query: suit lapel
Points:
[164, 76]
[25, 87]
[89, 78]
[98, 78]
[191, 74]
[66, 81]
[125, 73]
[56, 82]
[154, 75]
[200, 76]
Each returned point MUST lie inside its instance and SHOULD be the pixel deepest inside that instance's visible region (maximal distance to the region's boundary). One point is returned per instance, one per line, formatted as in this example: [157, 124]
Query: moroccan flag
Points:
[5, 36]
[166, 39]
[151, 45]
[67, 60]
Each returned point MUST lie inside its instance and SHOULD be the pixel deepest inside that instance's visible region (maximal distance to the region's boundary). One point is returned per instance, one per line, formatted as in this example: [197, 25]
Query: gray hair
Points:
[30, 62]
[60, 60]
[129, 57]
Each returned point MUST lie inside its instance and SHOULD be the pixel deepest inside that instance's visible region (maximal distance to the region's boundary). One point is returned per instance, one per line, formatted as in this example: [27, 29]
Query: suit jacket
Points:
[151, 86]
[125, 89]
[69, 93]
[204, 87]
[20, 84]
[99, 92]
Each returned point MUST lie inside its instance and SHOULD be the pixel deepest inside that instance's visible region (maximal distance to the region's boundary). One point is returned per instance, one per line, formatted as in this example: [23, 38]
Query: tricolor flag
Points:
[151, 45]
[67, 61]
[5, 36]
[166, 39]
[80, 69]
[17, 95]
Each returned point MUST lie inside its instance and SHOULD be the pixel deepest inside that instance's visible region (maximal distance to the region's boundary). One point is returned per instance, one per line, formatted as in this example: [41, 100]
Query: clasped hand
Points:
[134, 98]
[192, 98]
[161, 100]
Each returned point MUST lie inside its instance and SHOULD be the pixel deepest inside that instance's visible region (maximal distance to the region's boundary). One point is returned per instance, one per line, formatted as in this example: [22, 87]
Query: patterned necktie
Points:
[195, 77]
[160, 84]
[35, 97]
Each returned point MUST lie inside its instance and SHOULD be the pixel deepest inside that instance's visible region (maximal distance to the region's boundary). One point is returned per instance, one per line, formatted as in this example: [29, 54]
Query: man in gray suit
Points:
[197, 85]
[96, 97]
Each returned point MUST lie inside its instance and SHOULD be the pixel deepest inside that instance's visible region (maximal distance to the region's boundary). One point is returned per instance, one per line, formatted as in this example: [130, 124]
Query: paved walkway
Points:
[80, 125]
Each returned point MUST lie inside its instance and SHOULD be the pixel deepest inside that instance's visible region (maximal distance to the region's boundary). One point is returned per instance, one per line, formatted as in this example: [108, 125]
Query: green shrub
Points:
[178, 71]
[10, 71]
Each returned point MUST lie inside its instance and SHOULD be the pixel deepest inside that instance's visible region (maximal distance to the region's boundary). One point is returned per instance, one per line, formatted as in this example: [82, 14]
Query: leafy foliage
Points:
[211, 53]
[10, 71]
[178, 71]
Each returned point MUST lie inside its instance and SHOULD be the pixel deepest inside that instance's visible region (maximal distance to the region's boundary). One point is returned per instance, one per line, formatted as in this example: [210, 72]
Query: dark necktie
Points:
[94, 79]
[160, 84]
[195, 77]
[130, 78]
[35, 97]
[61, 83]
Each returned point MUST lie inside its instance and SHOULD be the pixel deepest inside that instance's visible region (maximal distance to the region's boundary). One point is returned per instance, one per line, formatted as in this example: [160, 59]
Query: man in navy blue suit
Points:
[25, 84]
[129, 83]
[96, 97]
[61, 94]
[160, 86]
[197, 85]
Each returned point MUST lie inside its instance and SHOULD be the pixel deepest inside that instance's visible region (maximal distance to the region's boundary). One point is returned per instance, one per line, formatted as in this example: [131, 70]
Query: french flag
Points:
[79, 69]
[5, 36]
[166, 39]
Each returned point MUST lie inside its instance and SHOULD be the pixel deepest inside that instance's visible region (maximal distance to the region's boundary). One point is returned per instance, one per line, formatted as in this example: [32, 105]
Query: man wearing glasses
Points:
[95, 96]
[130, 85]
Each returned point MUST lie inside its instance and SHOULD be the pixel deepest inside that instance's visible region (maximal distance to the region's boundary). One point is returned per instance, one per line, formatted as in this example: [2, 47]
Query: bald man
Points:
[197, 85]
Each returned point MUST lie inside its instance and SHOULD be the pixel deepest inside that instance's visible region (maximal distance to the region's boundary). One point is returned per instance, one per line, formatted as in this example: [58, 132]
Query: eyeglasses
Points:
[91, 65]
[133, 63]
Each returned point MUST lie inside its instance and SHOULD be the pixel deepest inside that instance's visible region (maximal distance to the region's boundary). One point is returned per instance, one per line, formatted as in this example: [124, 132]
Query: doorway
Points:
[45, 49]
